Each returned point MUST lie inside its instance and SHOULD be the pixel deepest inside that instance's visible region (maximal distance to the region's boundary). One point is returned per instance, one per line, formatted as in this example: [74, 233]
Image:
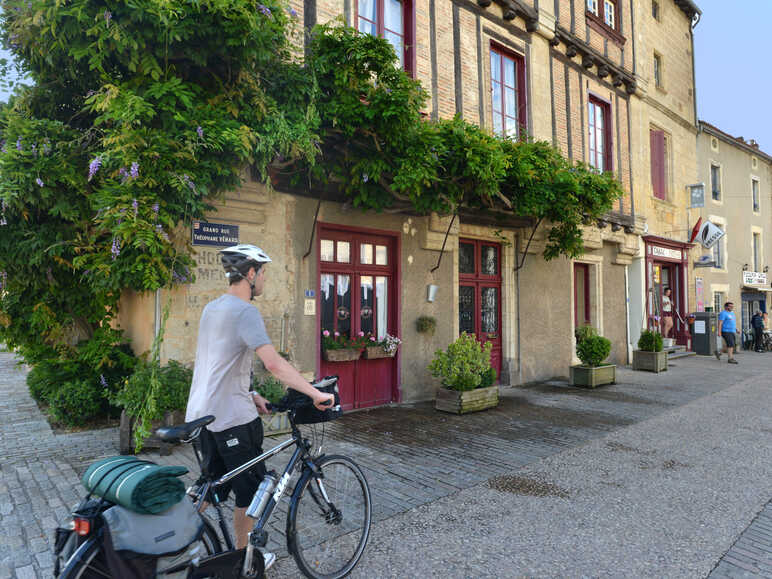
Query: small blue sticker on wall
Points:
[310, 293]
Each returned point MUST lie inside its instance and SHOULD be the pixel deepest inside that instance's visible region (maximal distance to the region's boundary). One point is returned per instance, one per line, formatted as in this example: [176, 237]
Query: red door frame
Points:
[660, 250]
[479, 280]
[395, 312]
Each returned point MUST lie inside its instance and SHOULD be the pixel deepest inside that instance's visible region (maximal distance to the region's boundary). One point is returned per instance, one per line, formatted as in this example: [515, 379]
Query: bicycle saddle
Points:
[183, 431]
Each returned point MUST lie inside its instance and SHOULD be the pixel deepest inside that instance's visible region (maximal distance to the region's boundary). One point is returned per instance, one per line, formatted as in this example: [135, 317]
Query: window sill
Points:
[599, 26]
[661, 89]
[664, 201]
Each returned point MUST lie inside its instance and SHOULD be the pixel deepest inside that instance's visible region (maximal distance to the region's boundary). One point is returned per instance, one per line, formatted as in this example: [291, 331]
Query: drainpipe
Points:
[157, 320]
[517, 317]
[627, 316]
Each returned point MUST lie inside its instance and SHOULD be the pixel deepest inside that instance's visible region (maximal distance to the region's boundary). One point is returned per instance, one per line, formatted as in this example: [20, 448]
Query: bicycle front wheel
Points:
[328, 522]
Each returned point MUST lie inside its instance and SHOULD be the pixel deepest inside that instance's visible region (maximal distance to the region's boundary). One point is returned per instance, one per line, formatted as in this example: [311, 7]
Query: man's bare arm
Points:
[284, 371]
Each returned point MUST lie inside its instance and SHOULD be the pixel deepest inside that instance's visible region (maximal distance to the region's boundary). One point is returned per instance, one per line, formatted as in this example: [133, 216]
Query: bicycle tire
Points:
[85, 562]
[315, 533]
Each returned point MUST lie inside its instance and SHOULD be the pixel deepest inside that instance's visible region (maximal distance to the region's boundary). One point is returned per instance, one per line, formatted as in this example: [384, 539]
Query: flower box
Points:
[462, 402]
[650, 361]
[593, 376]
[341, 355]
[373, 352]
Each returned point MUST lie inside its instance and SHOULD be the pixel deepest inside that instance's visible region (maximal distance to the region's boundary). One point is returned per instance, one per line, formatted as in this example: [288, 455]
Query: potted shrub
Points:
[468, 380]
[650, 355]
[340, 348]
[168, 404]
[385, 348]
[592, 350]
[272, 390]
[426, 325]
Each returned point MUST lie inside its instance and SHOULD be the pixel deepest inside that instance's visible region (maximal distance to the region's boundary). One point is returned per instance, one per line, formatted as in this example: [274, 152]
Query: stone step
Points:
[680, 354]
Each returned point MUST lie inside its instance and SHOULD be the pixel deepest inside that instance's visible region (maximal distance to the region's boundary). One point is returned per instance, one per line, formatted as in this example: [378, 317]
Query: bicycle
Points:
[328, 521]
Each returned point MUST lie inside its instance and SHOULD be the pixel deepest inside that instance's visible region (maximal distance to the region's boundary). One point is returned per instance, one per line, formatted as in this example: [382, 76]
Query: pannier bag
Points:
[305, 411]
[139, 485]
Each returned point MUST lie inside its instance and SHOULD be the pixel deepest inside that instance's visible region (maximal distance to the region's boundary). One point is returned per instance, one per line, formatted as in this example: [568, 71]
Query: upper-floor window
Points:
[507, 92]
[756, 252]
[599, 115]
[605, 10]
[391, 19]
[657, 70]
[718, 253]
[755, 195]
[715, 182]
[660, 169]
[655, 9]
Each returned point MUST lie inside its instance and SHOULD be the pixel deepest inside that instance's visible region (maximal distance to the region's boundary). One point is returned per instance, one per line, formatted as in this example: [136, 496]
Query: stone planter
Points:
[468, 401]
[650, 361]
[126, 433]
[343, 355]
[373, 352]
[275, 424]
[592, 377]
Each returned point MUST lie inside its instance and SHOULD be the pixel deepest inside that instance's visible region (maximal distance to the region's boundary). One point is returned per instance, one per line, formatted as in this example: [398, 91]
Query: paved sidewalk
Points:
[414, 457]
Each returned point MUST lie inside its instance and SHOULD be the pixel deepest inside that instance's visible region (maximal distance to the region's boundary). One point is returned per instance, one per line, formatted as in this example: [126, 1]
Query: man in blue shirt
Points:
[727, 326]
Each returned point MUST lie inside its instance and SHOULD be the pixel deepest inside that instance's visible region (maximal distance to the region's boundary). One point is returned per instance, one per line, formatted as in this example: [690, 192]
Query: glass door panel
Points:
[466, 309]
[489, 311]
[381, 306]
[366, 299]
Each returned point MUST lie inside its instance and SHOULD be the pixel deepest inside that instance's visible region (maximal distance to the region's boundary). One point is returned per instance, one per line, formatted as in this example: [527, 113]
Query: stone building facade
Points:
[569, 72]
[738, 199]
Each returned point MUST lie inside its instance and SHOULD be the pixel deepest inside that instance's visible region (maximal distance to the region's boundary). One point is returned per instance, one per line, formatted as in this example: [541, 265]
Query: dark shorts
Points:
[223, 451]
[729, 339]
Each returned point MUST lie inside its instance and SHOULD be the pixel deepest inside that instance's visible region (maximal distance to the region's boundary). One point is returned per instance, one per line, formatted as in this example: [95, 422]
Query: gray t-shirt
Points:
[229, 331]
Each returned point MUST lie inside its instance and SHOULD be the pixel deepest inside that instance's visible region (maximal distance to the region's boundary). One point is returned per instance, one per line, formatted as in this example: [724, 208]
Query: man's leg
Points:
[242, 524]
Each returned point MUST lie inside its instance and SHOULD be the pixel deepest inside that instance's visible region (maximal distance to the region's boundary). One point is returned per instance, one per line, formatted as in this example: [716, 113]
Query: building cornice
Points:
[749, 147]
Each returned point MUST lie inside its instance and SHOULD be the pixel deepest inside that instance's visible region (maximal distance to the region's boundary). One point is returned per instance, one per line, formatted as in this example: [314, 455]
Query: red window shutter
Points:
[658, 163]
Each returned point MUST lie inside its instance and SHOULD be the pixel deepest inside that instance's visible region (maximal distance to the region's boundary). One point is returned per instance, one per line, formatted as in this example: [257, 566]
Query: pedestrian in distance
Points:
[727, 328]
[667, 313]
[230, 332]
[757, 323]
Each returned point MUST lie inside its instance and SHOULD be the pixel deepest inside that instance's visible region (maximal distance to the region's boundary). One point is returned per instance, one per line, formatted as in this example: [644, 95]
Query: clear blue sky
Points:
[734, 74]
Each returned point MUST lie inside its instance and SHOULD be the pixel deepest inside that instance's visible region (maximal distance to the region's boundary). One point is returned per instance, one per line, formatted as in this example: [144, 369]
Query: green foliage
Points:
[77, 402]
[269, 388]
[592, 350]
[174, 381]
[465, 365]
[426, 325]
[488, 378]
[650, 341]
[583, 332]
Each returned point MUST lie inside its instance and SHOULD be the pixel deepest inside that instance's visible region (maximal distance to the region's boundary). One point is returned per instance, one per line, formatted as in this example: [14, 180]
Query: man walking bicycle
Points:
[230, 331]
[727, 328]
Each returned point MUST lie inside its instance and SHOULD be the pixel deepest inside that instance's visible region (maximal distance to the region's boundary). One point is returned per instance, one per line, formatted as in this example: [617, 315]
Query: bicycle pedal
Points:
[260, 539]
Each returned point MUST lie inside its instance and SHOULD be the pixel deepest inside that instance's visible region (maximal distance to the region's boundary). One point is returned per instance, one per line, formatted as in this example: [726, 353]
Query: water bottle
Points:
[255, 508]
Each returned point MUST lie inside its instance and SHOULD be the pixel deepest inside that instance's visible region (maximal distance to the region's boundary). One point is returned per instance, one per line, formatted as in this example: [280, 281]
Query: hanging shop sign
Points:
[754, 278]
[218, 234]
[709, 234]
[667, 252]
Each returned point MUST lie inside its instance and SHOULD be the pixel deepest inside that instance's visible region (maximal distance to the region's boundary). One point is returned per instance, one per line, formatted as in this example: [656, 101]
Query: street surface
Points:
[660, 475]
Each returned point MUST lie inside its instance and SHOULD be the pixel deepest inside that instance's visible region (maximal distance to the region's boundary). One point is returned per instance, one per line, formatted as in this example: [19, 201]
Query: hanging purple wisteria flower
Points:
[293, 13]
[116, 248]
[18, 144]
[135, 205]
[124, 175]
[39, 181]
[134, 171]
[365, 178]
[200, 132]
[108, 17]
[155, 210]
[94, 166]
[2, 147]
[189, 182]
[161, 232]
[103, 381]
[264, 9]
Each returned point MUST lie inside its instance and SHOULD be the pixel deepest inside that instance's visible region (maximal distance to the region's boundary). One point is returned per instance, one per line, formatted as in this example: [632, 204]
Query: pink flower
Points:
[337, 334]
[326, 333]
[372, 338]
[361, 334]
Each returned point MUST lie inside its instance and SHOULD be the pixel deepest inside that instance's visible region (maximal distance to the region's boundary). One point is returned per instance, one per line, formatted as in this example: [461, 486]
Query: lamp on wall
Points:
[745, 267]
[766, 268]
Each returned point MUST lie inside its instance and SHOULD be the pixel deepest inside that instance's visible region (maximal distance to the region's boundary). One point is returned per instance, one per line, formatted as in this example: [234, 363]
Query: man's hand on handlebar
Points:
[323, 401]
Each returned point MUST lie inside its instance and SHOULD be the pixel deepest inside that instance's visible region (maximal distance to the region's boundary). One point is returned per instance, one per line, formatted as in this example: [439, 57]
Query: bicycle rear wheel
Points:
[328, 523]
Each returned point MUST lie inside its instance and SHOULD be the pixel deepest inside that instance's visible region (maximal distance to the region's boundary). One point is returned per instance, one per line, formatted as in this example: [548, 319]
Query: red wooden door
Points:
[358, 293]
[479, 293]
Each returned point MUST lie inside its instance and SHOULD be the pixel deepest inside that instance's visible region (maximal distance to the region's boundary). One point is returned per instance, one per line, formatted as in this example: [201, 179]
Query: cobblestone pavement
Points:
[412, 455]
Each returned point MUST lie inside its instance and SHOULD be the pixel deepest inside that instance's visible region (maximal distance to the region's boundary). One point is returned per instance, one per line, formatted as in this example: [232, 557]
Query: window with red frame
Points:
[507, 92]
[393, 20]
[605, 11]
[599, 114]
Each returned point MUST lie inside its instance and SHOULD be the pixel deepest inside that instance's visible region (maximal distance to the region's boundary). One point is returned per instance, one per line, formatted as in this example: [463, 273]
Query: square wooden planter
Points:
[343, 355]
[373, 352]
[650, 361]
[126, 433]
[469, 401]
[592, 377]
[275, 424]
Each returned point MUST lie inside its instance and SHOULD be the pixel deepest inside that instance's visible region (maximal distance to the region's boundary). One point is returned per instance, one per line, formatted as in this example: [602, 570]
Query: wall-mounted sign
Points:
[709, 234]
[754, 278]
[699, 289]
[668, 252]
[219, 234]
[697, 194]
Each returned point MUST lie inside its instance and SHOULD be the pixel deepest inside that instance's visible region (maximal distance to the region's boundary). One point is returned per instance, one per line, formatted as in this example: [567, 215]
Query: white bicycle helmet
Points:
[237, 260]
